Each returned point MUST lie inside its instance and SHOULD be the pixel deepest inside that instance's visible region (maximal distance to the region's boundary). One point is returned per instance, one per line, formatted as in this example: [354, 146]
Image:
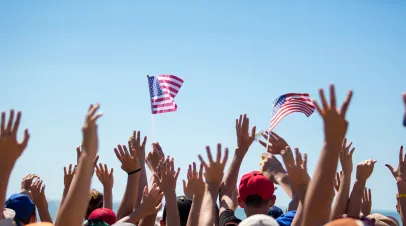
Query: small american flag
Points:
[289, 103]
[163, 89]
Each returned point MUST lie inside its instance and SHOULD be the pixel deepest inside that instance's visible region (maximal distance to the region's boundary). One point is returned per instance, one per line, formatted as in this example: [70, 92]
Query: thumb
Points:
[389, 167]
[184, 184]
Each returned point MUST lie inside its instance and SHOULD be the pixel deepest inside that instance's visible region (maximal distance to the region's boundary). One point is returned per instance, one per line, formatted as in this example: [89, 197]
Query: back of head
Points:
[256, 191]
[184, 206]
[275, 212]
[259, 220]
[23, 207]
[381, 220]
[95, 201]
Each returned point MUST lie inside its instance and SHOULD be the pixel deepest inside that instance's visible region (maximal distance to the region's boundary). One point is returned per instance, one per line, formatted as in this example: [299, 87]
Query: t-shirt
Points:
[228, 218]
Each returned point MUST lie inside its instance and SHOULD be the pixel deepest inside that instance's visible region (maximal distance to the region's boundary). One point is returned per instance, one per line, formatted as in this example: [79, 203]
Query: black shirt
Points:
[227, 218]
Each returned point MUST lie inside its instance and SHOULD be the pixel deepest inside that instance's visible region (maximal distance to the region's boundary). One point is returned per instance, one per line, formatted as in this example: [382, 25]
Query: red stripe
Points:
[162, 105]
[297, 94]
[287, 109]
[172, 77]
[161, 99]
[159, 111]
[164, 82]
[172, 90]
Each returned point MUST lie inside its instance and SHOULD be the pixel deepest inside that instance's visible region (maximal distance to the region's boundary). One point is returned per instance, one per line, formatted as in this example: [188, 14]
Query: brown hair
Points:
[95, 201]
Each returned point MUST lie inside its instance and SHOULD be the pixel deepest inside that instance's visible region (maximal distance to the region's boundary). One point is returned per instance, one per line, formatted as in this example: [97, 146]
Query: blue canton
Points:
[278, 104]
[154, 87]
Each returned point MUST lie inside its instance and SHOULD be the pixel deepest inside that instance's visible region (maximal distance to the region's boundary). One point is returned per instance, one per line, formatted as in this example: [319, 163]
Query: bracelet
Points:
[135, 171]
[399, 181]
[402, 196]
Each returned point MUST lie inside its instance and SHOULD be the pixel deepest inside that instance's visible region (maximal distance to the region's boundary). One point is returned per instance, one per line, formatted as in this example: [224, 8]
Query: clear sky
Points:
[57, 57]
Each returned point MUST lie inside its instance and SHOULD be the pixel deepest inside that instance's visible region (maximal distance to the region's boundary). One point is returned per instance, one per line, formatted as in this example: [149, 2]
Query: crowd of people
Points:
[211, 194]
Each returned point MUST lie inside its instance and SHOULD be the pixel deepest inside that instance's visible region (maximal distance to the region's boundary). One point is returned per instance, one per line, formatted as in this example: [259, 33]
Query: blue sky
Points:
[235, 57]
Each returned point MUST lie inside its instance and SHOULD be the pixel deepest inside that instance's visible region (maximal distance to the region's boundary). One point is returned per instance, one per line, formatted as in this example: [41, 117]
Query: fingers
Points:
[316, 105]
[323, 99]
[218, 153]
[209, 155]
[157, 179]
[390, 168]
[3, 123]
[369, 195]
[64, 171]
[202, 161]
[184, 185]
[298, 157]
[332, 97]
[24, 144]
[10, 121]
[96, 160]
[346, 103]
[16, 124]
[118, 154]
[201, 171]
[253, 132]
[177, 174]
[225, 158]
[194, 172]
[305, 161]
[401, 160]
[144, 142]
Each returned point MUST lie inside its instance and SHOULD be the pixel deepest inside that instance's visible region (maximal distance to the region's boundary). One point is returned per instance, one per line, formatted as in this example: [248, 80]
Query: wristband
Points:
[399, 181]
[402, 196]
[134, 172]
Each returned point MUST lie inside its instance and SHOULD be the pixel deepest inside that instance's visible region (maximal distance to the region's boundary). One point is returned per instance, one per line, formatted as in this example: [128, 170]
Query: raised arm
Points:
[341, 201]
[167, 183]
[40, 201]
[72, 211]
[399, 173]
[107, 180]
[131, 166]
[194, 189]
[214, 172]
[297, 171]
[320, 192]
[10, 150]
[137, 149]
[244, 141]
[364, 171]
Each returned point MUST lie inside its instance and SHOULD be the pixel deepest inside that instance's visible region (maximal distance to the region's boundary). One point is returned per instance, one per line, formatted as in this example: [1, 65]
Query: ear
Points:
[272, 201]
[240, 202]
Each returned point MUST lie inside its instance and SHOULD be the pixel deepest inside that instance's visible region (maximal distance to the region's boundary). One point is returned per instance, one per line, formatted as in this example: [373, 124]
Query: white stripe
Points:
[161, 96]
[162, 102]
[163, 108]
[167, 79]
[172, 86]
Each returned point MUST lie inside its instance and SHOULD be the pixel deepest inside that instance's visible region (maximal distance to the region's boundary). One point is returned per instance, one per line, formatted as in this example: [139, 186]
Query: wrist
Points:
[332, 146]
[279, 176]
[239, 153]
[361, 181]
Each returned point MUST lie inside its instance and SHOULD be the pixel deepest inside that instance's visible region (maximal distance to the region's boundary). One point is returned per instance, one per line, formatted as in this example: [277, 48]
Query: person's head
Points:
[184, 206]
[95, 201]
[346, 221]
[259, 220]
[381, 220]
[275, 212]
[23, 207]
[256, 193]
[102, 215]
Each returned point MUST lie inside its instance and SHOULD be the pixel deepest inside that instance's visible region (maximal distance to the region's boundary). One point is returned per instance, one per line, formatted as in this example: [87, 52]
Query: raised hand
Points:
[244, 139]
[276, 143]
[151, 200]
[346, 157]
[27, 182]
[366, 202]
[400, 172]
[38, 194]
[168, 175]
[10, 148]
[335, 124]
[129, 163]
[89, 129]
[214, 171]
[365, 169]
[195, 184]
[68, 175]
[297, 169]
[270, 164]
[154, 156]
[105, 177]
[136, 147]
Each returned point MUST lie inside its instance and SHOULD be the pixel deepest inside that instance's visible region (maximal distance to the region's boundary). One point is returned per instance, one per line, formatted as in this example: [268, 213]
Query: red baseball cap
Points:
[255, 183]
[104, 214]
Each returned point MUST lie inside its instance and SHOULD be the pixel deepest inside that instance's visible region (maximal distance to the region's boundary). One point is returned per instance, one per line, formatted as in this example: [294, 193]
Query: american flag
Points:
[289, 103]
[163, 89]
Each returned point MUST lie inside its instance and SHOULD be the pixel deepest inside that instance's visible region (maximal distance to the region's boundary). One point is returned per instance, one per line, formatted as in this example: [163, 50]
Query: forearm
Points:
[172, 209]
[5, 172]
[73, 209]
[194, 214]
[134, 217]
[341, 201]
[208, 213]
[108, 197]
[321, 188]
[230, 180]
[402, 201]
[44, 215]
[129, 199]
[298, 219]
[354, 203]
[283, 180]
[142, 182]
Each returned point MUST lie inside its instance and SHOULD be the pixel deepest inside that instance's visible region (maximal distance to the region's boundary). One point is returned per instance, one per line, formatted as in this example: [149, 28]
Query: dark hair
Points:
[26, 221]
[95, 201]
[184, 206]
[255, 201]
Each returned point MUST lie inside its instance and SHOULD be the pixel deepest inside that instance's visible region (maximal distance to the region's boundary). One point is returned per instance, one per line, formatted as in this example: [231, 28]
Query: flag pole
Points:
[152, 112]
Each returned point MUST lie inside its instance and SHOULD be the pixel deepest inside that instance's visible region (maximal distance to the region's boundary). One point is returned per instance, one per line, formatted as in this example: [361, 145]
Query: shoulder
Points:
[228, 218]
